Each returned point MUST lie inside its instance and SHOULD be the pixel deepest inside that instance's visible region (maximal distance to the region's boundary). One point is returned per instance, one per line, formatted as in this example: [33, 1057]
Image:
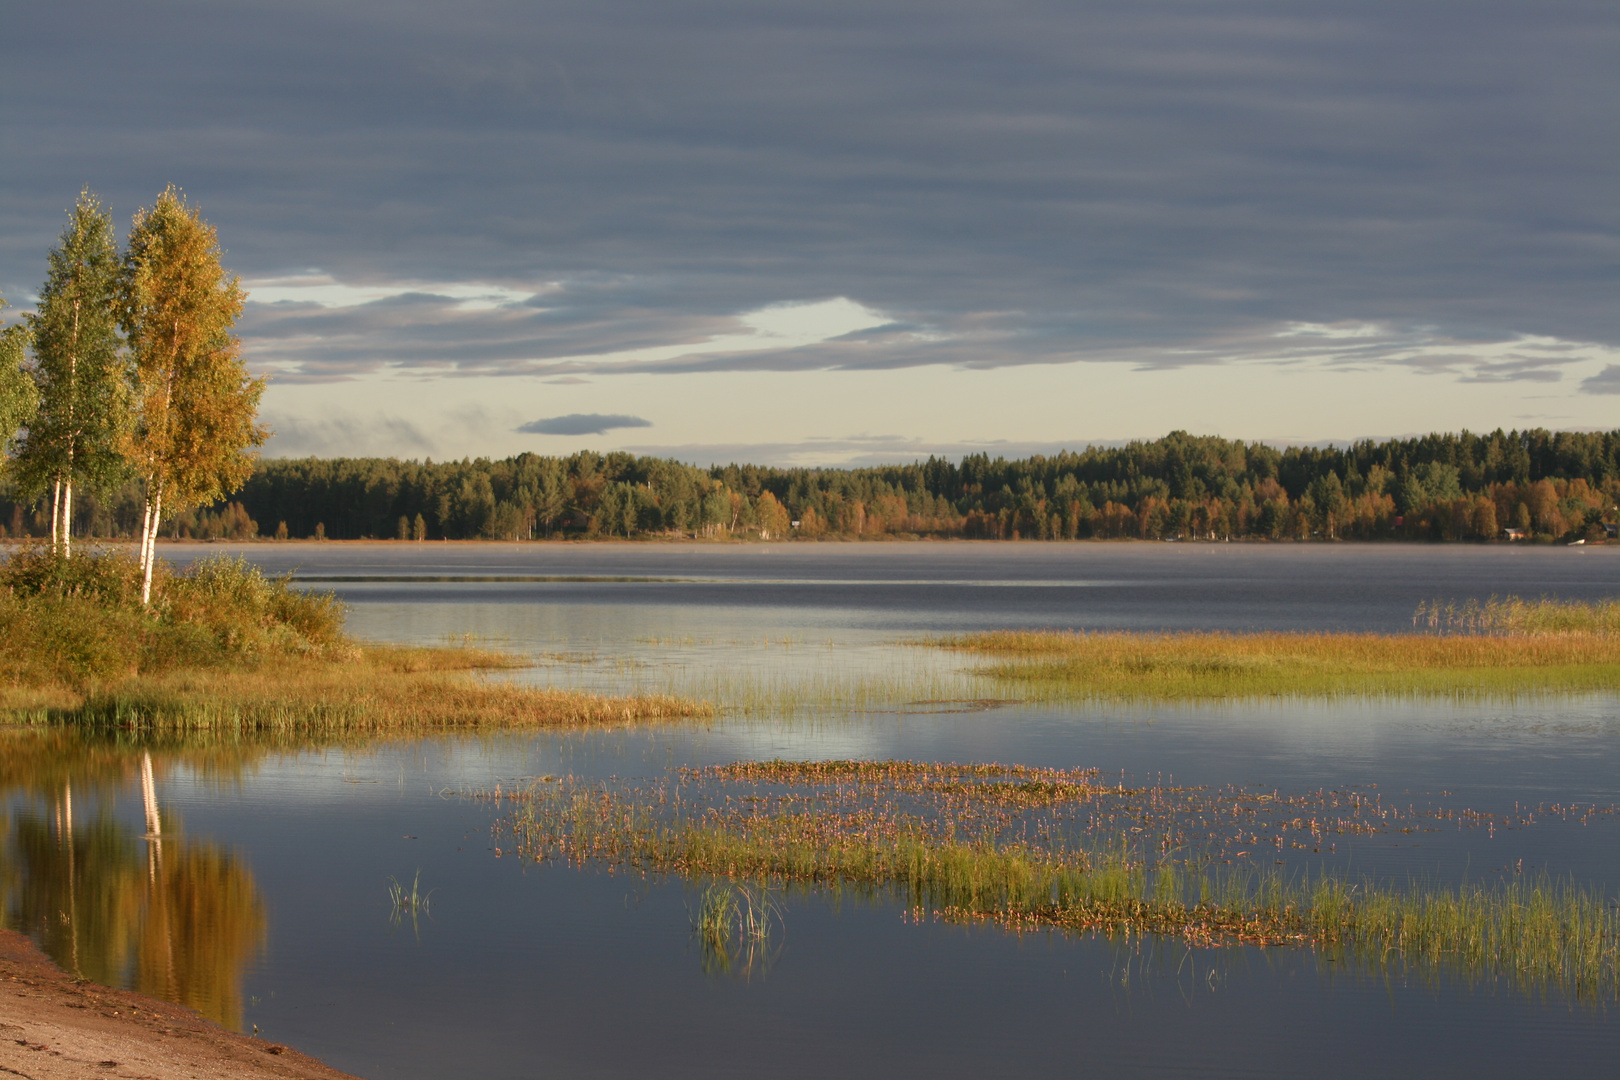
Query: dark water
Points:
[265, 901]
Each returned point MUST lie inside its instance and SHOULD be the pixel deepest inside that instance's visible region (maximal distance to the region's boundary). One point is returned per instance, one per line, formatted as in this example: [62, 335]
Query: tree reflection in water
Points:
[176, 918]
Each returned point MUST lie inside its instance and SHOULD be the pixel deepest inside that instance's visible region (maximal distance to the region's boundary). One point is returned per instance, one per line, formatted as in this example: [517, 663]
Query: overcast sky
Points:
[828, 232]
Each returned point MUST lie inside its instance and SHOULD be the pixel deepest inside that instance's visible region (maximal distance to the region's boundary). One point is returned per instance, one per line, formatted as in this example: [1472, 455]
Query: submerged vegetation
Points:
[1033, 849]
[1505, 647]
[223, 647]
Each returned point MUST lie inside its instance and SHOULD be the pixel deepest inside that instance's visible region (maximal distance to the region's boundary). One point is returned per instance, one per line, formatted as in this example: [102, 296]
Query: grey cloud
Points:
[1527, 369]
[582, 424]
[1042, 182]
[1606, 381]
[346, 435]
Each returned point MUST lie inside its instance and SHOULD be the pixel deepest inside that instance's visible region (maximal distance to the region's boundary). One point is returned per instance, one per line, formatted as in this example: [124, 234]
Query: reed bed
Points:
[1215, 665]
[860, 826]
[1517, 616]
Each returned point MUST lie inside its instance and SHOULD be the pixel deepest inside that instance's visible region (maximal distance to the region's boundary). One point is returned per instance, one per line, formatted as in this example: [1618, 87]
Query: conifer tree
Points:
[196, 406]
[76, 435]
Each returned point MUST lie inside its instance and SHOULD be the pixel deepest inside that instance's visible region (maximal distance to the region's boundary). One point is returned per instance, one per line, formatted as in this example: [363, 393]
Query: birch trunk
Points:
[67, 518]
[149, 528]
[56, 511]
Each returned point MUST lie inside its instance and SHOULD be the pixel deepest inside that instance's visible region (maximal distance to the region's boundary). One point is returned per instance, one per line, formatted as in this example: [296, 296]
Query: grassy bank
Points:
[223, 647]
[1536, 935]
[1198, 665]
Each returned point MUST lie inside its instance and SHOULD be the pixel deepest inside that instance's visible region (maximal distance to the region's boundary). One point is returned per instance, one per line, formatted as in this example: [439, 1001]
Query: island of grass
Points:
[1046, 849]
[224, 648]
[1499, 648]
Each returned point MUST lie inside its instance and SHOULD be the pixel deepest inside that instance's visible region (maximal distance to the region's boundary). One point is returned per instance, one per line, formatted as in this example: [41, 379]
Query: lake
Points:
[273, 910]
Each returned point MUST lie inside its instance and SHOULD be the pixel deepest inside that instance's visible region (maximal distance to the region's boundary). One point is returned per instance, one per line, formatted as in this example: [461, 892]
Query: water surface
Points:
[284, 855]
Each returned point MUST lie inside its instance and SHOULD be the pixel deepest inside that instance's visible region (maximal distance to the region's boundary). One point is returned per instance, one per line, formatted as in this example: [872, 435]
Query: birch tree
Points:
[196, 407]
[75, 437]
[18, 395]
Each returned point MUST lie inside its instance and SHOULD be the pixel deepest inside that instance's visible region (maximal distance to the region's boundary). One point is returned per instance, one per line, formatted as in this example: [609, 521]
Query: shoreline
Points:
[57, 1027]
[875, 538]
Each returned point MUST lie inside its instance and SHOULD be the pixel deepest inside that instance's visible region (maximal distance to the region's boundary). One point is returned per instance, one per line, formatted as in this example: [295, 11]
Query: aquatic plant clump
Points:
[735, 925]
[1214, 666]
[1032, 849]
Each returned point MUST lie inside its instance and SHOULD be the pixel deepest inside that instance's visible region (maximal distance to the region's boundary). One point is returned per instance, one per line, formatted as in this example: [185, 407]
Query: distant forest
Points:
[1548, 485]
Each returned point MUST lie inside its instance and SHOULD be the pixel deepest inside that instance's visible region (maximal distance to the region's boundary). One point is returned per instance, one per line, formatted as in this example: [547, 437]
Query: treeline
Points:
[1551, 485]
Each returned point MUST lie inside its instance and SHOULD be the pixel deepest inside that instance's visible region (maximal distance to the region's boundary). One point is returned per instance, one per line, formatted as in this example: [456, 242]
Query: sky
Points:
[823, 233]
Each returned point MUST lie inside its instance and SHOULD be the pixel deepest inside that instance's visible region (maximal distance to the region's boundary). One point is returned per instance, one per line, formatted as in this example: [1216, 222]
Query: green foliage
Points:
[84, 397]
[249, 613]
[19, 398]
[110, 578]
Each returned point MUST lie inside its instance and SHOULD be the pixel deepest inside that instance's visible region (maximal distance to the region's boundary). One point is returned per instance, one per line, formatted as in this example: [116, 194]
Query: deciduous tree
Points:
[76, 436]
[196, 407]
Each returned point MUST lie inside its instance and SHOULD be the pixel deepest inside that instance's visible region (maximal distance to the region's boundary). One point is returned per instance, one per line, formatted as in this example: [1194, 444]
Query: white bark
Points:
[67, 517]
[56, 511]
[154, 822]
[149, 527]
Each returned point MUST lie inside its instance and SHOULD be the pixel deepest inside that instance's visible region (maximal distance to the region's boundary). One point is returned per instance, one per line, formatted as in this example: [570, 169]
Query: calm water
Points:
[265, 902]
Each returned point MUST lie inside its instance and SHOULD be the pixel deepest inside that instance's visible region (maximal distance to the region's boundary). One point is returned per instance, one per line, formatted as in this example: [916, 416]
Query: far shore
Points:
[754, 541]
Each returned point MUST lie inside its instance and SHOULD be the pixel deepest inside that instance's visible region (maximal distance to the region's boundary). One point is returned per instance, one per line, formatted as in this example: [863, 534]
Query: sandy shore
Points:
[56, 1027]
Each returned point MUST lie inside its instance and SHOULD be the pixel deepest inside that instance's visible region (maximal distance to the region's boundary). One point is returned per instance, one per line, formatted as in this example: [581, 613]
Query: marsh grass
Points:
[1515, 615]
[1051, 665]
[225, 648]
[408, 902]
[377, 692]
[735, 924]
[1536, 935]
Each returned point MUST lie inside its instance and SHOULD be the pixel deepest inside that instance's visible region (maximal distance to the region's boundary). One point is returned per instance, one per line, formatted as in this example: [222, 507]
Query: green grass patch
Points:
[1213, 666]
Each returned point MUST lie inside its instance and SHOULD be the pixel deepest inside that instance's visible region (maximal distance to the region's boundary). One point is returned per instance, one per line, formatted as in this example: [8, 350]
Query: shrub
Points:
[78, 621]
[107, 577]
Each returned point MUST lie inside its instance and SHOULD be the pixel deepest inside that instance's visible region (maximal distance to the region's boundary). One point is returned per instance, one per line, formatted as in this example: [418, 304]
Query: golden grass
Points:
[380, 689]
[1201, 665]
